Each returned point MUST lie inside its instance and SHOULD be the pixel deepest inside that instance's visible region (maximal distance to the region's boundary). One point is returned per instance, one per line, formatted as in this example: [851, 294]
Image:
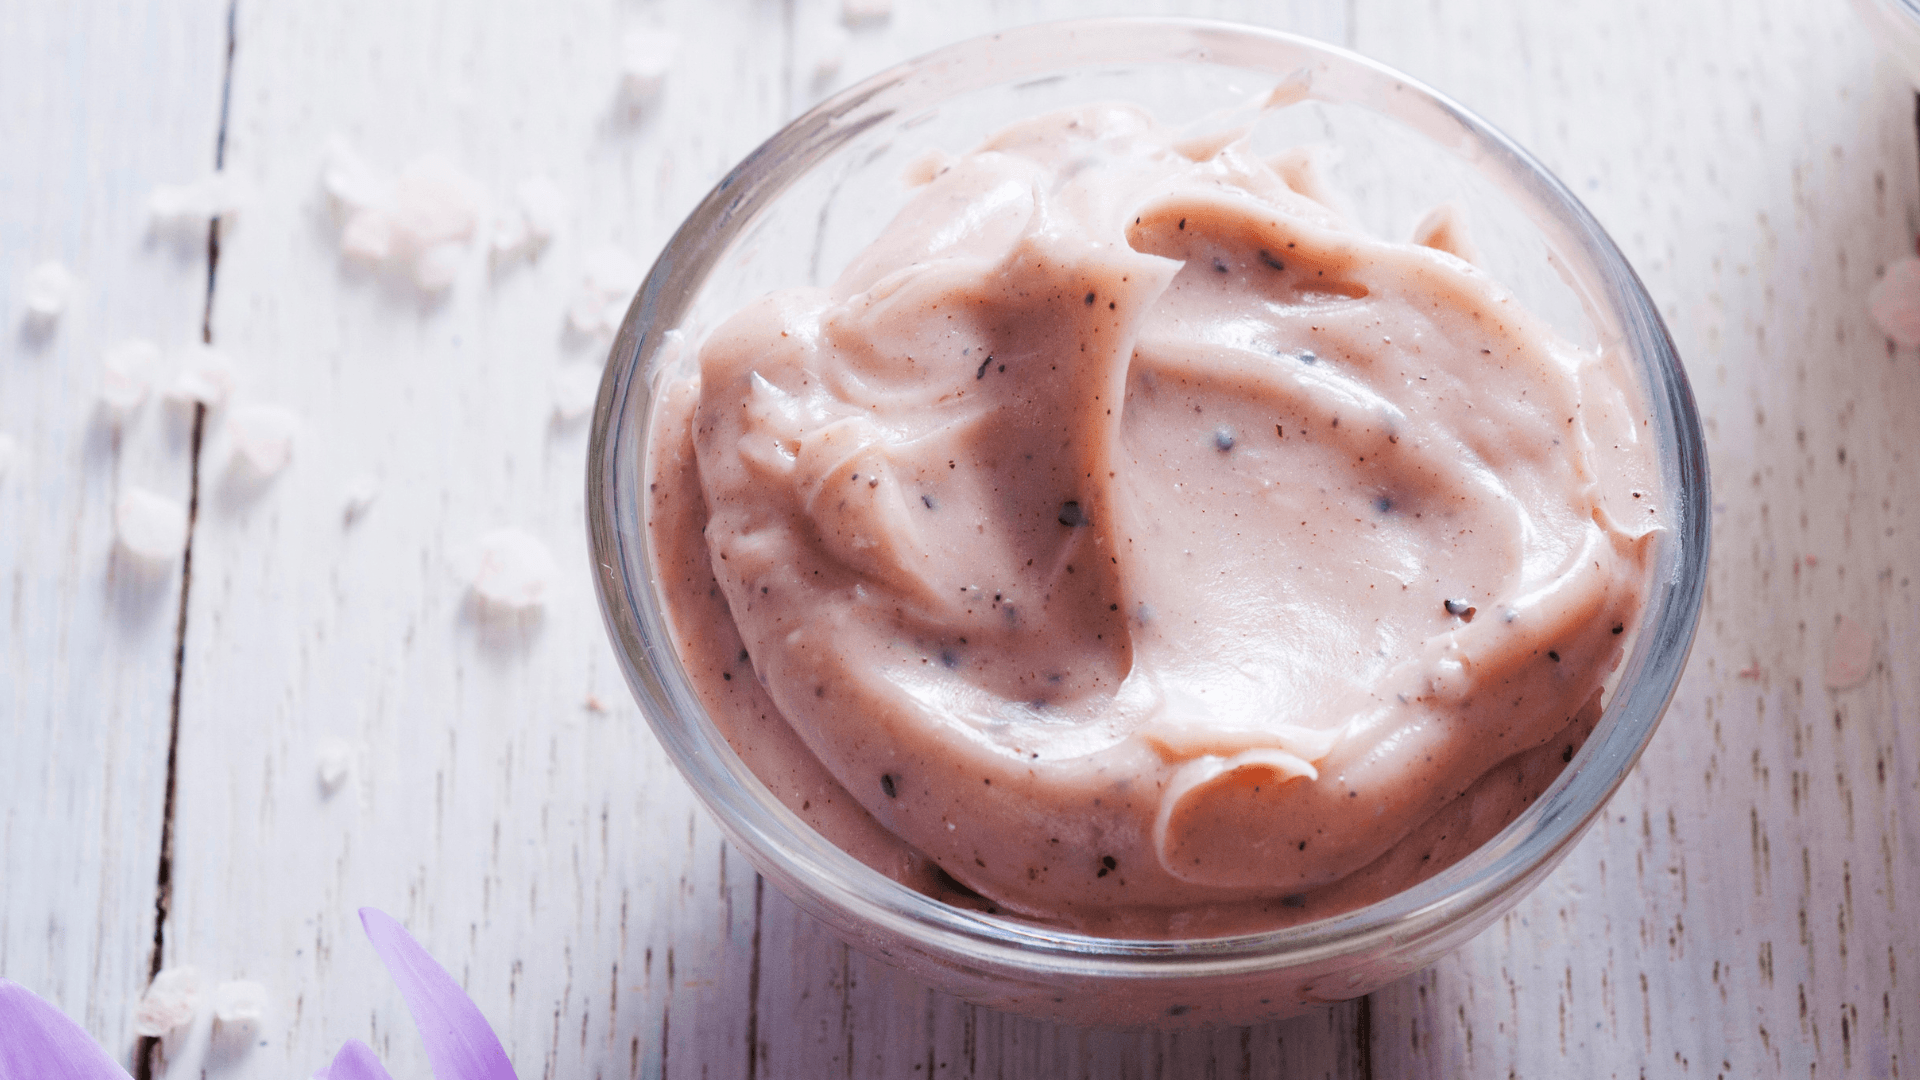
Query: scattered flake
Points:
[1849, 655]
[169, 1003]
[352, 181]
[435, 202]
[360, 493]
[865, 11]
[587, 312]
[508, 235]
[421, 222]
[854, 12]
[263, 437]
[612, 271]
[647, 55]
[827, 44]
[368, 236]
[150, 526]
[435, 268]
[191, 206]
[544, 206]
[335, 760]
[575, 387]
[9, 452]
[530, 221]
[611, 277]
[1751, 671]
[1894, 301]
[240, 1001]
[127, 375]
[49, 287]
[206, 377]
[593, 704]
[508, 568]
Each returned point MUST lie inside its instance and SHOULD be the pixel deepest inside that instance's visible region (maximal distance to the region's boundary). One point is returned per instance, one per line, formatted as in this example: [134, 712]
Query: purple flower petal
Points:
[355, 1061]
[460, 1045]
[40, 1043]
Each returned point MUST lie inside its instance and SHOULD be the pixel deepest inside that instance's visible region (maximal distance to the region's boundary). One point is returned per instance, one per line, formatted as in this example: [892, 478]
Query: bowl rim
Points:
[832, 883]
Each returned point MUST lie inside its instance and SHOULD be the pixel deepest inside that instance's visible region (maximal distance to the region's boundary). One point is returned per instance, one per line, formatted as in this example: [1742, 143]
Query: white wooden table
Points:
[1746, 908]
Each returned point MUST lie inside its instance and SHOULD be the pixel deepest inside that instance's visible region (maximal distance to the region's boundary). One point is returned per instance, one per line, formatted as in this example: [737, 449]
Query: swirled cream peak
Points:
[1133, 538]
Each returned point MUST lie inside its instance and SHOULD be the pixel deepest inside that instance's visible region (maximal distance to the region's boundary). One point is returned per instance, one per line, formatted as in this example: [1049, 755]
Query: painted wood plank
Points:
[1745, 907]
[543, 849]
[105, 102]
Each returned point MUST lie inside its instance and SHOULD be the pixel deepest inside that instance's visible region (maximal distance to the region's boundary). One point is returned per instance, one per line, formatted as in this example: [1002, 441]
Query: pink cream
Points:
[1127, 543]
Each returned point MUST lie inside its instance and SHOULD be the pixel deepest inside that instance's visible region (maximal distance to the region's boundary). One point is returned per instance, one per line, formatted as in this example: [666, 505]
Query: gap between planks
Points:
[163, 874]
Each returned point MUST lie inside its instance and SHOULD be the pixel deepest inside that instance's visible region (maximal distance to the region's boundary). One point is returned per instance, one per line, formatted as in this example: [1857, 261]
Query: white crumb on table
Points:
[360, 493]
[126, 375]
[149, 526]
[368, 236]
[169, 1002]
[351, 180]
[647, 57]
[530, 220]
[421, 221]
[436, 267]
[49, 287]
[190, 206]
[610, 277]
[826, 42]
[334, 760]
[544, 205]
[239, 1002]
[263, 437]
[508, 568]
[575, 387]
[865, 11]
[436, 209]
[206, 377]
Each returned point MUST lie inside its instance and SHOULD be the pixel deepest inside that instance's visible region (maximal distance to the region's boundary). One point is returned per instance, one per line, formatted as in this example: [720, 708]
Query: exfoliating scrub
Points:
[1127, 542]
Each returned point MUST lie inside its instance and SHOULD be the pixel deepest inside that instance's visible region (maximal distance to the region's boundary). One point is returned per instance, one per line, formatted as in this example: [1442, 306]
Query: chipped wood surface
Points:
[1738, 911]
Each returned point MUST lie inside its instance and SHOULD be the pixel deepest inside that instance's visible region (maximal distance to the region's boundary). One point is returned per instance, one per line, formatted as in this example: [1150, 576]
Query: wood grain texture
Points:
[1738, 911]
[104, 102]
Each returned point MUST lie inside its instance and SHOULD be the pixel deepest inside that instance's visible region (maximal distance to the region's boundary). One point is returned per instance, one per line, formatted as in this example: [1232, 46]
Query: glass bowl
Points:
[818, 191]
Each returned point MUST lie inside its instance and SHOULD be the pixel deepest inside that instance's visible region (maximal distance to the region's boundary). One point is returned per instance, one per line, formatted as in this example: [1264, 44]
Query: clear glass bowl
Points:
[798, 207]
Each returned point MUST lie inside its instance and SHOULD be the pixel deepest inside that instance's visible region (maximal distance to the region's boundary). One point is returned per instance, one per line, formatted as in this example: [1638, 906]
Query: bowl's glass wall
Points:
[803, 204]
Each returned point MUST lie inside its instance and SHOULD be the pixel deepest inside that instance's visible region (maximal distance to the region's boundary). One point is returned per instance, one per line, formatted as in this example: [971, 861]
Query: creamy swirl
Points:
[1133, 538]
